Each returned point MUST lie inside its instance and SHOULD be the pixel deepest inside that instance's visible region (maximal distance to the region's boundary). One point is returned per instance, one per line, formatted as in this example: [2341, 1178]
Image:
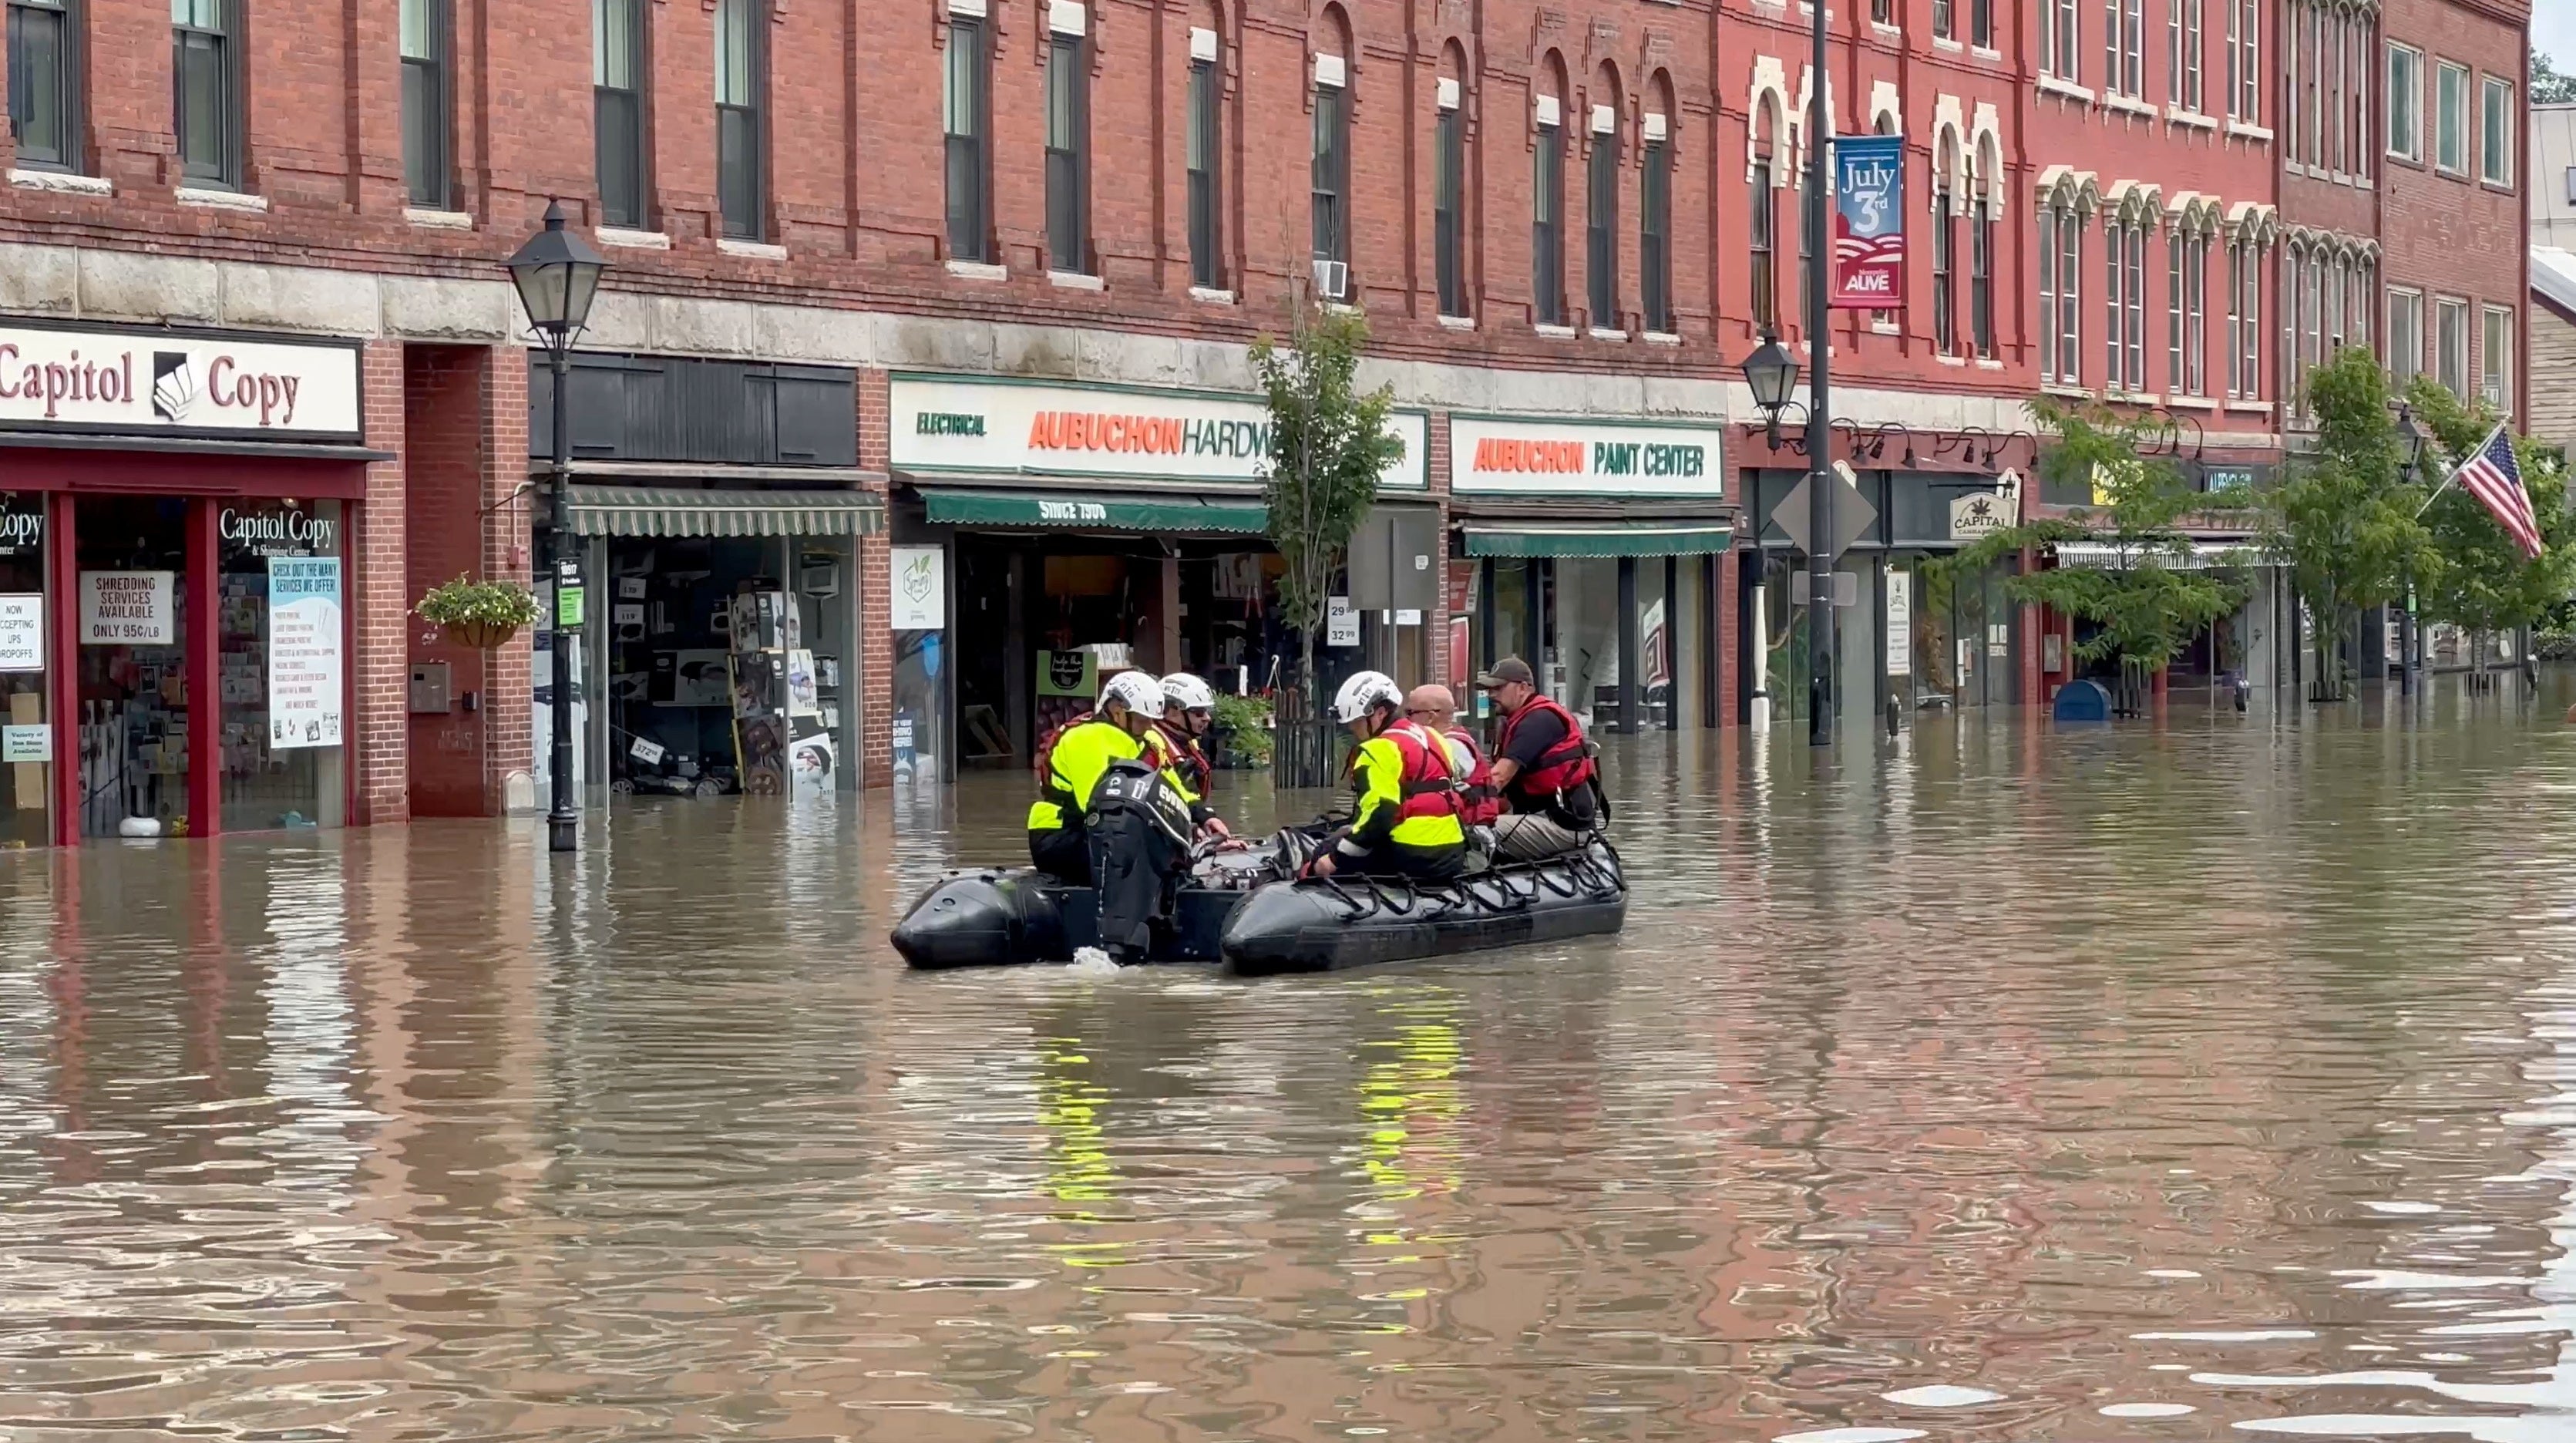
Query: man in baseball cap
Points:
[1543, 766]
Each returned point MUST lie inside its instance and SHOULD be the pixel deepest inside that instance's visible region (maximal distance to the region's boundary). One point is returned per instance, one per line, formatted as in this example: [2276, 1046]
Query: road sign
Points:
[1853, 514]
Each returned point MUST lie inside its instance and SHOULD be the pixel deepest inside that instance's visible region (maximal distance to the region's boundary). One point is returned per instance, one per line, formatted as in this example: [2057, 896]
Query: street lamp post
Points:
[2410, 633]
[557, 276]
[1820, 411]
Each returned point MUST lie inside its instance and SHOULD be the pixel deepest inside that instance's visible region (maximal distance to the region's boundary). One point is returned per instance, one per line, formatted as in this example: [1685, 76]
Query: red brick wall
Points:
[510, 721]
[380, 596]
[1436, 654]
[876, 583]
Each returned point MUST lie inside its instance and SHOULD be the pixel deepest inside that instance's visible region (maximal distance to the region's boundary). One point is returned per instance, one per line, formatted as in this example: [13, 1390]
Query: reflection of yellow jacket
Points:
[1165, 755]
[1406, 793]
[1080, 758]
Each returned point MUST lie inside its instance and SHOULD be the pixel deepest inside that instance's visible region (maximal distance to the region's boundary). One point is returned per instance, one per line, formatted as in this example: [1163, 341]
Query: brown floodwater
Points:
[2208, 1080]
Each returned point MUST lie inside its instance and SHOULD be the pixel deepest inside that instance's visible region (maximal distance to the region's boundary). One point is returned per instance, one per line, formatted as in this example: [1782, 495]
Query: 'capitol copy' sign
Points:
[159, 381]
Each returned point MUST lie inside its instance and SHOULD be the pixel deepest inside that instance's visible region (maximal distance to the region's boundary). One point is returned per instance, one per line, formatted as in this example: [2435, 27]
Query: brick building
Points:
[933, 315]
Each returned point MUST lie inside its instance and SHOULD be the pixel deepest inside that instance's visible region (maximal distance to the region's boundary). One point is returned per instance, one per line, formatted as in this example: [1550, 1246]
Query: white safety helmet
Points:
[1137, 691]
[1187, 692]
[1365, 693]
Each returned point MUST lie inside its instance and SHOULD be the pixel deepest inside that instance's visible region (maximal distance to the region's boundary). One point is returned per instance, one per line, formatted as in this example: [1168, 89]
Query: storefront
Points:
[1049, 534]
[174, 581]
[1592, 549]
[1914, 634]
[720, 506]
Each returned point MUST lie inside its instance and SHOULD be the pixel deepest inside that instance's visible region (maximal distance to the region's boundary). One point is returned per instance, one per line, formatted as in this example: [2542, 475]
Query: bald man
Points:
[1432, 706]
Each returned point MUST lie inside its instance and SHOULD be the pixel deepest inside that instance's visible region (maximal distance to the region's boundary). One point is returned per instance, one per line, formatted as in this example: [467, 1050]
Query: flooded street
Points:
[2207, 1081]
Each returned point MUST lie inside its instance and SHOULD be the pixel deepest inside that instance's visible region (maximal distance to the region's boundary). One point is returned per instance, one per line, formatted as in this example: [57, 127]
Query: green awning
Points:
[1602, 538]
[1105, 510]
[691, 511]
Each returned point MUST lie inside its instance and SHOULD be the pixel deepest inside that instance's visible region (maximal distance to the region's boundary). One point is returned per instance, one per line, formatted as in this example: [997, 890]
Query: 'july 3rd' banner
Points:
[1869, 222]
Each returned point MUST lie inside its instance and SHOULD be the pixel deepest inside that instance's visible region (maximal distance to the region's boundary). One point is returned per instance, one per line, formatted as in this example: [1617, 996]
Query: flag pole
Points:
[2454, 473]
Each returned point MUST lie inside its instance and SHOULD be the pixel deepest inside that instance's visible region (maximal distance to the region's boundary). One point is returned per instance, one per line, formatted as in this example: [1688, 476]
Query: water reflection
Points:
[1987, 1084]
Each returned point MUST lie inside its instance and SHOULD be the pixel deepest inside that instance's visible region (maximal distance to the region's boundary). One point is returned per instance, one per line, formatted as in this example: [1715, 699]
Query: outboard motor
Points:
[1140, 847]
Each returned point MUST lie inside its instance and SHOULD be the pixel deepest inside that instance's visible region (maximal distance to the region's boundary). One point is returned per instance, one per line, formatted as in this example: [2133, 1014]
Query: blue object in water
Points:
[2083, 701]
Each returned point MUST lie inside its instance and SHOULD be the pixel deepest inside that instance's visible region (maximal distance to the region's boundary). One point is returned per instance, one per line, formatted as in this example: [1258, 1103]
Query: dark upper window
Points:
[1068, 143]
[1206, 122]
[1601, 233]
[963, 109]
[1332, 168]
[424, 101]
[617, 75]
[44, 84]
[1762, 212]
[1547, 210]
[207, 97]
[742, 81]
[1945, 243]
[1449, 203]
[685, 409]
[1981, 23]
[1981, 278]
[1655, 229]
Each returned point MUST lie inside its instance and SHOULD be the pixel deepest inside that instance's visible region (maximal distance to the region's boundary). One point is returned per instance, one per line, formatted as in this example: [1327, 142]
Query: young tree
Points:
[2146, 606]
[2480, 580]
[2548, 85]
[1328, 445]
[2343, 518]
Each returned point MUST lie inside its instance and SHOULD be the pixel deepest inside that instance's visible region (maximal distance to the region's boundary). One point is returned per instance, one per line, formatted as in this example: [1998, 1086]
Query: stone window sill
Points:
[2051, 85]
[2239, 130]
[2251, 408]
[1211, 296]
[1885, 31]
[1605, 333]
[1990, 363]
[2192, 118]
[1560, 333]
[219, 199]
[1952, 360]
[1882, 328]
[1663, 338]
[1075, 281]
[1340, 308]
[1985, 52]
[978, 271]
[634, 240]
[63, 181]
[2130, 104]
[2196, 403]
[2060, 388]
[752, 250]
[1457, 323]
[2128, 397]
[1944, 42]
[438, 219]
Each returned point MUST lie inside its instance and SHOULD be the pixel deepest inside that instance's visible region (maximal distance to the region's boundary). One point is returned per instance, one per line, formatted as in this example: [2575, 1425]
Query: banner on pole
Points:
[1869, 223]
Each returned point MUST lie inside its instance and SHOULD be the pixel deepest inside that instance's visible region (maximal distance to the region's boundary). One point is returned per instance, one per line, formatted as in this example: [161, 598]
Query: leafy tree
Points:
[2483, 583]
[2548, 86]
[2343, 518]
[1328, 445]
[2146, 606]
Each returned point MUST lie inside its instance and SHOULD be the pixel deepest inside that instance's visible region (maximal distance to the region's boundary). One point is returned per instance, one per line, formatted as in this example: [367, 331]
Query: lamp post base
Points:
[563, 833]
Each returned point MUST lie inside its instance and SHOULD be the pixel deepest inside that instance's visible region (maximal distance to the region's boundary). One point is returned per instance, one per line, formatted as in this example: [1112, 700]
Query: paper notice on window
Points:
[304, 652]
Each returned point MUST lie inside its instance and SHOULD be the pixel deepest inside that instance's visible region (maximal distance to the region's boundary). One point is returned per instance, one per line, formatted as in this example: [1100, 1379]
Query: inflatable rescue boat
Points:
[1240, 908]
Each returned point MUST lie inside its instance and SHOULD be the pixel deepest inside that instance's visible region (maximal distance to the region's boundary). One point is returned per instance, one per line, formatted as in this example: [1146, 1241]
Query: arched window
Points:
[1332, 160]
[1547, 195]
[2061, 262]
[1762, 213]
[1984, 194]
[2124, 258]
[1945, 243]
[2186, 299]
[1449, 183]
[1601, 204]
[1206, 146]
[1655, 208]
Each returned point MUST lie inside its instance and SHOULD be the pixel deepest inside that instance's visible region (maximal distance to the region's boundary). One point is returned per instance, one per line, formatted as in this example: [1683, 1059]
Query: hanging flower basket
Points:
[479, 614]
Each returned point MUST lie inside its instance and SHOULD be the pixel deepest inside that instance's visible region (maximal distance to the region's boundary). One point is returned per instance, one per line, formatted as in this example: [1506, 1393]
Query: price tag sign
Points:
[649, 753]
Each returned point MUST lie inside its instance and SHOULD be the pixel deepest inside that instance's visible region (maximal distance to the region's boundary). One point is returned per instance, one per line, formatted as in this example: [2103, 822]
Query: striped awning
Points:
[1601, 538]
[688, 511]
[2202, 556]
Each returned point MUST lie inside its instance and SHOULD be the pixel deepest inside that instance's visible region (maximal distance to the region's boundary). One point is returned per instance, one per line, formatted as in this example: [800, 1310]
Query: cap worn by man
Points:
[1506, 671]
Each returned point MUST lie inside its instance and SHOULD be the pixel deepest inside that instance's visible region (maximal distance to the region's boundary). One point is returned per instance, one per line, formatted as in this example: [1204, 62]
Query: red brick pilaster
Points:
[876, 583]
[379, 606]
[1436, 466]
[509, 721]
[1723, 641]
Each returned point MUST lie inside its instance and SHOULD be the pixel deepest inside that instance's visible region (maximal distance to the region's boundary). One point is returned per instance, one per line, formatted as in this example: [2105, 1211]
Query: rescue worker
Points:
[1542, 767]
[1405, 822]
[1189, 709]
[1072, 764]
[1479, 804]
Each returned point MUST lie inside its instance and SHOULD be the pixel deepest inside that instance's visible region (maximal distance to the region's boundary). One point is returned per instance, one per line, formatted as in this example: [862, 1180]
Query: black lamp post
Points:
[557, 276]
[1772, 373]
[2410, 634]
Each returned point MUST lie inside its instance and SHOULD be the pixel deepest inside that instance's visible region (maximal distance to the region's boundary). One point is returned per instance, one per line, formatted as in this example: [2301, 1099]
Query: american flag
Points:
[2493, 478]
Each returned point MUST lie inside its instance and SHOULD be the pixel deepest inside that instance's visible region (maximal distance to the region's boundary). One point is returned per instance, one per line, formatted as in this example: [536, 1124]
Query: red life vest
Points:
[1564, 767]
[1481, 803]
[1043, 759]
[1181, 753]
[1428, 783]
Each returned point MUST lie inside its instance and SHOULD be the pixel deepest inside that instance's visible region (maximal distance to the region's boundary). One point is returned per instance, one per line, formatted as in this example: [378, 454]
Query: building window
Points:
[2451, 118]
[2244, 320]
[2123, 40]
[2405, 102]
[1449, 204]
[44, 83]
[1941, 20]
[740, 83]
[1332, 165]
[2057, 39]
[1207, 98]
[2061, 253]
[2124, 272]
[1945, 250]
[424, 101]
[207, 109]
[2495, 359]
[617, 103]
[1601, 207]
[964, 108]
[2306, 323]
[2182, 53]
[1882, 12]
[1808, 221]
[2451, 345]
[2244, 60]
[1981, 24]
[1655, 229]
[2495, 131]
[1981, 276]
[1068, 145]
[2188, 282]
[1547, 209]
[2362, 161]
[1763, 223]
[2405, 337]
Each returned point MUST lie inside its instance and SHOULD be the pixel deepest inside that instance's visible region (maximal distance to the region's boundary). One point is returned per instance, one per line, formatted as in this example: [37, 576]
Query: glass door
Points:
[133, 710]
[26, 742]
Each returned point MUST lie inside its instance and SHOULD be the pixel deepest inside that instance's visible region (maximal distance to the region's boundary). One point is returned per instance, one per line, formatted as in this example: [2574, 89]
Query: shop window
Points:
[1206, 163]
[1068, 161]
[617, 80]
[741, 83]
[1601, 234]
[280, 665]
[424, 101]
[207, 112]
[26, 640]
[964, 111]
[44, 83]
